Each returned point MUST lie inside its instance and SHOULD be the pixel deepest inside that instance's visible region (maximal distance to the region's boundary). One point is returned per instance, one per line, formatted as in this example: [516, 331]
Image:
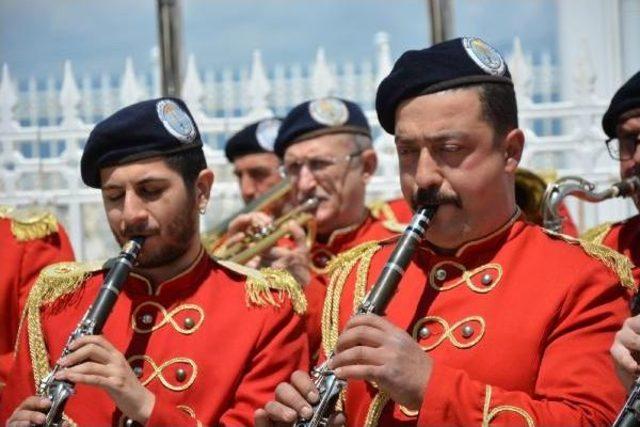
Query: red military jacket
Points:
[30, 241]
[518, 325]
[211, 344]
[621, 236]
[322, 253]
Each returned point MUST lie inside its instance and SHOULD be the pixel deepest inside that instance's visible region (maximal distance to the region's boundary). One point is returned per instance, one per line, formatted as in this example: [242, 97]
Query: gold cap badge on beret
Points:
[266, 133]
[176, 121]
[329, 111]
[484, 55]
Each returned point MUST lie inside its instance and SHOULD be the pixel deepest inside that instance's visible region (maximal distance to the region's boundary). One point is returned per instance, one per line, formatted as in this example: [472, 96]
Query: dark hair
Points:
[499, 107]
[188, 164]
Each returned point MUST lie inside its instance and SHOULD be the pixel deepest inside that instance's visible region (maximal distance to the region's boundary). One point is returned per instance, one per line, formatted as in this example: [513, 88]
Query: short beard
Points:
[176, 240]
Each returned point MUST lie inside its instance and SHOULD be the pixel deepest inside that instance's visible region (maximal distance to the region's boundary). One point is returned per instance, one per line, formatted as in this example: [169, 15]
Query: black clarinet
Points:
[376, 302]
[59, 391]
[628, 416]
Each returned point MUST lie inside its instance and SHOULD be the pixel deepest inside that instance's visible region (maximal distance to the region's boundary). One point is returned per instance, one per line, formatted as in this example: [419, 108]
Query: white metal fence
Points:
[44, 124]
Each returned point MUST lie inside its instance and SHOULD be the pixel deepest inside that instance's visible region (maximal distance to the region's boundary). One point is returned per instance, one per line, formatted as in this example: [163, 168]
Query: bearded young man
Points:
[190, 340]
[495, 320]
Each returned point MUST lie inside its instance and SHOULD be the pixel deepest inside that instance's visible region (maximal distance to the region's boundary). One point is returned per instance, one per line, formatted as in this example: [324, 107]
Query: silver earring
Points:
[203, 209]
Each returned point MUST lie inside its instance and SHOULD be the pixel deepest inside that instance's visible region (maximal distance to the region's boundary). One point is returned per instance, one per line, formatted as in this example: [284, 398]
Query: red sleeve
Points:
[576, 383]
[20, 383]
[281, 349]
[27, 259]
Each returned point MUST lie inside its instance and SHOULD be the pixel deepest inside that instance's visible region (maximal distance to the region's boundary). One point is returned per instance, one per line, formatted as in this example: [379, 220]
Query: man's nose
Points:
[428, 172]
[134, 211]
[247, 188]
[306, 181]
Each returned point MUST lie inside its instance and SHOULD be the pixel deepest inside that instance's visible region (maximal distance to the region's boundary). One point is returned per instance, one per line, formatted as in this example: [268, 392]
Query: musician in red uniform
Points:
[621, 124]
[190, 340]
[327, 153]
[255, 165]
[30, 239]
[496, 321]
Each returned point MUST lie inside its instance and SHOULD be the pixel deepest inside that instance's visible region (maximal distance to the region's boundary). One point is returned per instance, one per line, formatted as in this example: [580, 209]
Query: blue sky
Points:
[36, 36]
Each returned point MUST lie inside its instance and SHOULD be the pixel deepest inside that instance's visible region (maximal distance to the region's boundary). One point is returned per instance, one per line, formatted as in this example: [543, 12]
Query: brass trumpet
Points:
[261, 239]
[216, 237]
[584, 190]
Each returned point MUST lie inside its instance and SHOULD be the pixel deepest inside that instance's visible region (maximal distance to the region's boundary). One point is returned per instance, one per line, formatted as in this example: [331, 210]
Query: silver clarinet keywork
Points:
[582, 189]
[59, 391]
[376, 302]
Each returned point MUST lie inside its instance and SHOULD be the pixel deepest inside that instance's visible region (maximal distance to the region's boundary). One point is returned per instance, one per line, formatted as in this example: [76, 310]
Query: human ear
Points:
[513, 146]
[203, 184]
[369, 164]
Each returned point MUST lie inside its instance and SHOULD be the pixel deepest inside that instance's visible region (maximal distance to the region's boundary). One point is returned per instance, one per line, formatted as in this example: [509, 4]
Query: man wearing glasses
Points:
[327, 153]
[621, 123]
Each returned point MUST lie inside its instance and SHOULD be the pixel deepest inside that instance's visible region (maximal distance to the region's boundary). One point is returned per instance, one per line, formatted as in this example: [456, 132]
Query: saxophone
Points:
[376, 302]
[584, 190]
[59, 391]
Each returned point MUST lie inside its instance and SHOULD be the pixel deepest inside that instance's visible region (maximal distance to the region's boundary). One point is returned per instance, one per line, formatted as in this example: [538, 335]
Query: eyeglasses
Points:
[623, 148]
[316, 165]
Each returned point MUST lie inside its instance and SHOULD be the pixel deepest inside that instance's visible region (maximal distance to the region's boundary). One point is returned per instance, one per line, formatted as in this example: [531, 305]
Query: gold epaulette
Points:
[615, 261]
[597, 233]
[261, 283]
[30, 224]
[53, 284]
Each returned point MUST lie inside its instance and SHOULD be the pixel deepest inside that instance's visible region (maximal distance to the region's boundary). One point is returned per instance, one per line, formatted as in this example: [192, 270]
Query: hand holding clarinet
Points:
[369, 348]
[89, 358]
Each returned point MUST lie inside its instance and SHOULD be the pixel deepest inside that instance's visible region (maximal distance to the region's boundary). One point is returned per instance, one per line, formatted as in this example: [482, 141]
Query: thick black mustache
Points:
[433, 197]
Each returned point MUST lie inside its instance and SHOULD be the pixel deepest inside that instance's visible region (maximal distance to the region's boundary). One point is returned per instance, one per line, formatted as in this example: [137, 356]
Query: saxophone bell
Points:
[584, 190]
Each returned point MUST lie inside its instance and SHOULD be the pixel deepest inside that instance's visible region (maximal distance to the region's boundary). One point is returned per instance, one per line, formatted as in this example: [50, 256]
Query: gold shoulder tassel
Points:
[32, 224]
[259, 287]
[615, 261]
[54, 282]
[597, 233]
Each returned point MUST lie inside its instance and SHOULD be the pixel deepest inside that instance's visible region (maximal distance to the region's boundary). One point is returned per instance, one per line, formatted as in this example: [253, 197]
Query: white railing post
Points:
[259, 89]
[8, 101]
[130, 92]
[322, 82]
[192, 89]
[69, 98]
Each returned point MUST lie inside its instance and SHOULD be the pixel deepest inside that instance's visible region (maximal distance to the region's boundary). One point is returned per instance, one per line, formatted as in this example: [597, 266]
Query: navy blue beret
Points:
[626, 98]
[258, 137]
[453, 63]
[320, 117]
[150, 128]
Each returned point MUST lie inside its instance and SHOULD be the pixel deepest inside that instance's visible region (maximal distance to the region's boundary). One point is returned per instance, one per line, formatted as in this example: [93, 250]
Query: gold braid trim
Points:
[616, 262]
[488, 416]
[597, 233]
[54, 282]
[338, 270]
[375, 409]
[32, 224]
[259, 289]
